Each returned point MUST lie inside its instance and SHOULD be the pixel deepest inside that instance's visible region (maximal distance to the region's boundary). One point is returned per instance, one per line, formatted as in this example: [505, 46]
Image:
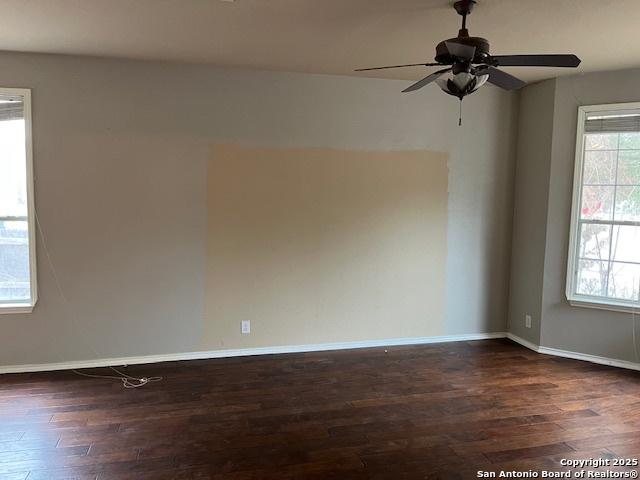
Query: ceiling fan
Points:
[470, 65]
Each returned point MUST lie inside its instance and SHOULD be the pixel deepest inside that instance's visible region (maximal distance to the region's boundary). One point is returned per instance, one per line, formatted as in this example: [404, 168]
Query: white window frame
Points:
[25, 307]
[574, 299]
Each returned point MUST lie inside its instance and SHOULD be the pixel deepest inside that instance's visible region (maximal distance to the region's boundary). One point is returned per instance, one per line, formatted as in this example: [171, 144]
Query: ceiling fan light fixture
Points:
[463, 79]
[481, 80]
[461, 84]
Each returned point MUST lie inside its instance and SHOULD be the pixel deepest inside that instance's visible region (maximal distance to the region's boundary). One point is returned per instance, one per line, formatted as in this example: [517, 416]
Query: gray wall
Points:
[120, 152]
[595, 332]
[535, 132]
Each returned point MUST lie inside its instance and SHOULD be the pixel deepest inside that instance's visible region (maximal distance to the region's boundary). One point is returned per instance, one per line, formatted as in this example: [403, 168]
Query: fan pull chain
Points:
[460, 115]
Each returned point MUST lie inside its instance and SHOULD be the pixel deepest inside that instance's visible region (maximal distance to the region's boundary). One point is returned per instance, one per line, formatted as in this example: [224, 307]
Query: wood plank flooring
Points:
[422, 412]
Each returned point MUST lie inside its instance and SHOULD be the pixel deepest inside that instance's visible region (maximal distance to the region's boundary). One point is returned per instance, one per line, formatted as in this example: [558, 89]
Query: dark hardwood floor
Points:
[435, 411]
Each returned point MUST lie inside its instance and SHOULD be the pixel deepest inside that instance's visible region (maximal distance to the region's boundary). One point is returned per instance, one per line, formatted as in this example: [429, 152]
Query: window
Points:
[17, 233]
[604, 254]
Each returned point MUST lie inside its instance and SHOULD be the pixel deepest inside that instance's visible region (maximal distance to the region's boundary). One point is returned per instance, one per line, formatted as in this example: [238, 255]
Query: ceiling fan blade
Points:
[555, 60]
[502, 79]
[425, 81]
[399, 66]
[459, 50]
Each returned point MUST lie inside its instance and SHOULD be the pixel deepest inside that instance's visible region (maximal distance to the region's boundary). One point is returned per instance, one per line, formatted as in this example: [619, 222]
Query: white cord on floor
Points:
[634, 310]
[635, 342]
[127, 380]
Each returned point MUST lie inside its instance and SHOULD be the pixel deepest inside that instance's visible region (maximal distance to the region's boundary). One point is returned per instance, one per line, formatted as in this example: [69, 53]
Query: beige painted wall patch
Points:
[319, 245]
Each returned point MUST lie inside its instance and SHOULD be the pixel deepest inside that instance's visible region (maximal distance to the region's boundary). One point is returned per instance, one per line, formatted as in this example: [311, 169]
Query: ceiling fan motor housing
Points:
[481, 44]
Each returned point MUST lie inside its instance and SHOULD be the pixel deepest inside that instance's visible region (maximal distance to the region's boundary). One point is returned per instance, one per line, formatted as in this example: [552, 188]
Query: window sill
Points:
[611, 306]
[13, 308]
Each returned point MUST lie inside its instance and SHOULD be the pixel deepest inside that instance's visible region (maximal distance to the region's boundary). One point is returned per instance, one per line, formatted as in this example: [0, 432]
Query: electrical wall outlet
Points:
[246, 326]
[527, 321]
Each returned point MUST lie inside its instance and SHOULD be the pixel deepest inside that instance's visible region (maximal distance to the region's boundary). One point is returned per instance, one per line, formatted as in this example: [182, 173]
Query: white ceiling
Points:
[322, 36]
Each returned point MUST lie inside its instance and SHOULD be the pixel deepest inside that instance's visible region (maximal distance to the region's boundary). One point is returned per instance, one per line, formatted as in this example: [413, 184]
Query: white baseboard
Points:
[243, 352]
[172, 357]
[523, 342]
[613, 362]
